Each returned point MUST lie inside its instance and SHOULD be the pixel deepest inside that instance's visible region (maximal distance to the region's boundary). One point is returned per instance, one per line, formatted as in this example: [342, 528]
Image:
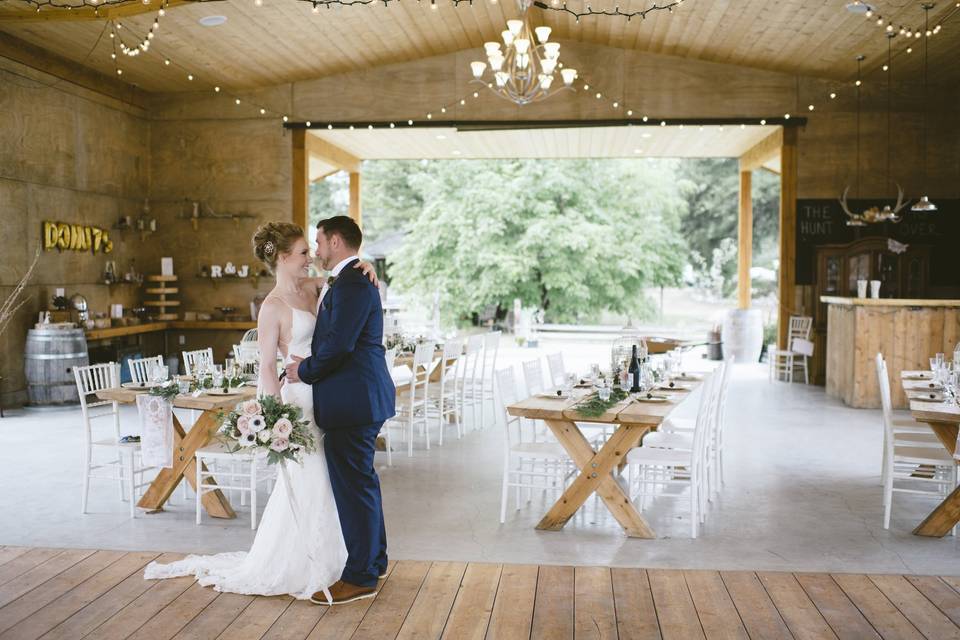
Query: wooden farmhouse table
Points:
[185, 445]
[944, 419]
[633, 419]
[406, 359]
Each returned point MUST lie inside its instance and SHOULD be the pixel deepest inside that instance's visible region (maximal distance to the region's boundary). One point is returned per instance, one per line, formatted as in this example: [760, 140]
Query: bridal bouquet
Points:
[268, 424]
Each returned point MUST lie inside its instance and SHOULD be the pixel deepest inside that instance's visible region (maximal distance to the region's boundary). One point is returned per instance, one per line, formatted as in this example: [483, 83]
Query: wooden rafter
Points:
[83, 14]
[762, 152]
[332, 154]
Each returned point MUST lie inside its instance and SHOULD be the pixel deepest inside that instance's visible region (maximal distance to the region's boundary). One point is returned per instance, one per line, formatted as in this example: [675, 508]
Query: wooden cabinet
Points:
[839, 266]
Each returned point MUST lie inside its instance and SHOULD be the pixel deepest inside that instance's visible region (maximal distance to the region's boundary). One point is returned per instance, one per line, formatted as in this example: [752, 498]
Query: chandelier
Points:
[525, 66]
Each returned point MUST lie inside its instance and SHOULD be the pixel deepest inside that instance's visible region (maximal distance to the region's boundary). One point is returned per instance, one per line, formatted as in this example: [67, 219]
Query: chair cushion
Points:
[668, 440]
[679, 424]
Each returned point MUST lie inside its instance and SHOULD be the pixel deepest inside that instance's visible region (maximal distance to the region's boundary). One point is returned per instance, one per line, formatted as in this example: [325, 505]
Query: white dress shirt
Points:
[334, 272]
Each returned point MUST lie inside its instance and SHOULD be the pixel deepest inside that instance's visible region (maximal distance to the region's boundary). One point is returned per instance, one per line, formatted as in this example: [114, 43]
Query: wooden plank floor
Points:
[70, 594]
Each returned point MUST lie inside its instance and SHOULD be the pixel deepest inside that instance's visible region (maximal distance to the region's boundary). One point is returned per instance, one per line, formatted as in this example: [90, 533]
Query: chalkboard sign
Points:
[821, 222]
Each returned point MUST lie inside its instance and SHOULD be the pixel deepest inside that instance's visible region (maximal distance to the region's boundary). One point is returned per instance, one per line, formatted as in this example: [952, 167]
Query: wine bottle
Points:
[635, 371]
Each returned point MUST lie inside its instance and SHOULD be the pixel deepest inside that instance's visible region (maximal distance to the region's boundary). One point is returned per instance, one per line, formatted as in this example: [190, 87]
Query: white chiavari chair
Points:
[656, 467]
[445, 395]
[677, 433]
[533, 377]
[467, 376]
[413, 400]
[198, 357]
[785, 361]
[557, 371]
[140, 368]
[243, 471]
[527, 463]
[391, 358]
[491, 346]
[123, 465]
[910, 458]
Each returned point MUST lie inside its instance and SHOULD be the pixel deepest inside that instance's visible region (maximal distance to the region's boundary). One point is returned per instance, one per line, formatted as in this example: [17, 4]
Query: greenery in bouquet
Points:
[267, 423]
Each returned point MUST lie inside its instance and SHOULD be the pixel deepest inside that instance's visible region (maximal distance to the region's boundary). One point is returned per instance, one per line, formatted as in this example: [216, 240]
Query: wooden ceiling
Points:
[689, 141]
[282, 41]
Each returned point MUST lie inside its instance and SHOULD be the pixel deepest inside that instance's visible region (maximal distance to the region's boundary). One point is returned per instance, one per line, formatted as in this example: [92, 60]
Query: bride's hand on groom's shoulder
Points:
[370, 271]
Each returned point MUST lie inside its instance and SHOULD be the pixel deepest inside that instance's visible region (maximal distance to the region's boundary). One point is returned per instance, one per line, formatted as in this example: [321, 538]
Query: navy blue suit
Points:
[353, 394]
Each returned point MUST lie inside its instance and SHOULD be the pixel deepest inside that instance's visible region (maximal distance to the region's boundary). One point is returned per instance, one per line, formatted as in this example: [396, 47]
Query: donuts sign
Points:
[75, 237]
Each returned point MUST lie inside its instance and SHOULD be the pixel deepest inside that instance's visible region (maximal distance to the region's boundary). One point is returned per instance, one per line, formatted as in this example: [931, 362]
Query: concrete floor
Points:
[803, 493]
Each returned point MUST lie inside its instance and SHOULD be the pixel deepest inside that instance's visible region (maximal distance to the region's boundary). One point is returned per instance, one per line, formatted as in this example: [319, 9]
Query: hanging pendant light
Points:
[924, 205]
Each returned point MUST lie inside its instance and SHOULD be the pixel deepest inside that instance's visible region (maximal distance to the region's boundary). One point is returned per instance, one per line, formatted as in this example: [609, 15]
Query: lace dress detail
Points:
[299, 548]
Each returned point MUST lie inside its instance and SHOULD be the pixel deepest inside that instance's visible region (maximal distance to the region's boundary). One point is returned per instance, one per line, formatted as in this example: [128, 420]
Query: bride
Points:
[299, 548]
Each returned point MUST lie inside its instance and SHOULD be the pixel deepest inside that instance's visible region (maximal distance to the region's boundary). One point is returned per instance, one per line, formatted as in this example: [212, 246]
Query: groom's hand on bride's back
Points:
[370, 271]
[291, 369]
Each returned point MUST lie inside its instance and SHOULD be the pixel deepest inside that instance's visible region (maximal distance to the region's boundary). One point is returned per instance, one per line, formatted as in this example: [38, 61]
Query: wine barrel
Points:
[49, 358]
[743, 335]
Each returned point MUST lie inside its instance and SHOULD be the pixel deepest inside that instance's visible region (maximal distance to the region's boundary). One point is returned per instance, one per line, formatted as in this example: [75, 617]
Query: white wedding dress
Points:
[299, 548]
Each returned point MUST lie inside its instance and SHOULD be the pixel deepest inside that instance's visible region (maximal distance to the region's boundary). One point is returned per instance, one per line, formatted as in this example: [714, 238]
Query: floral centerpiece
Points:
[404, 344]
[269, 424]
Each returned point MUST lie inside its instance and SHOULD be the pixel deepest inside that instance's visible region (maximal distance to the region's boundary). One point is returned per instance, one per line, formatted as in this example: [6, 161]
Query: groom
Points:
[353, 395]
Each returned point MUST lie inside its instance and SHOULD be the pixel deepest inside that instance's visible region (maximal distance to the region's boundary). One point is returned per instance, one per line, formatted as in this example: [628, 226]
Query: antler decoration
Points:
[874, 214]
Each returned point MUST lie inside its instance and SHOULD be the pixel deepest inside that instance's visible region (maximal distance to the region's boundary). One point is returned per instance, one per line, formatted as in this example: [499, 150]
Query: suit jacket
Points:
[347, 366]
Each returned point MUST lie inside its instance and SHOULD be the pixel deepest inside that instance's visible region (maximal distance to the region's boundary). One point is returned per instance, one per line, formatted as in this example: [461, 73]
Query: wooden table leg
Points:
[947, 434]
[595, 476]
[947, 514]
[185, 446]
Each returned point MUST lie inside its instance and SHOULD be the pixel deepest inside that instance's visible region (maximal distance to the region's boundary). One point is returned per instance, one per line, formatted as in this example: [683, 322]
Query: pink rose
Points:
[280, 444]
[283, 428]
[252, 408]
[243, 425]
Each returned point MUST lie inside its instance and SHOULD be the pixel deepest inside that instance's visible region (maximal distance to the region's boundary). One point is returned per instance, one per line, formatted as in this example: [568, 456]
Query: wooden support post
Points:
[744, 240]
[354, 210]
[301, 177]
[788, 232]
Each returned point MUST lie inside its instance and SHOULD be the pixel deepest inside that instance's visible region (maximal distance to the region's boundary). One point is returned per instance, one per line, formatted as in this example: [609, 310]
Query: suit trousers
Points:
[356, 489]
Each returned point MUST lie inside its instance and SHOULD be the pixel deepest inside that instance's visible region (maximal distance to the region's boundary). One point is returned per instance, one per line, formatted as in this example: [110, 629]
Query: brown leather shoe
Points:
[342, 593]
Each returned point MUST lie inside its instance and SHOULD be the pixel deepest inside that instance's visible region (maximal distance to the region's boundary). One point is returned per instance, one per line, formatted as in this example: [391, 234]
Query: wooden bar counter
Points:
[907, 332]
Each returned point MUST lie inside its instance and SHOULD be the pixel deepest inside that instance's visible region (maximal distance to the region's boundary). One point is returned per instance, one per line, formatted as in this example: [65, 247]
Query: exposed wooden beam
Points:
[788, 234]
[42, 60]
[325, 175]
[86, 14]
[762, 152]
[301, 178]
[744, 240]
[354, 210]
[331, 153]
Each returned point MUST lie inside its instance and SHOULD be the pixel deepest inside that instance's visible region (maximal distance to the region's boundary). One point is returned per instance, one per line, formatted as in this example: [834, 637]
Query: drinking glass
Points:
[595, 373]
[603, 391]
[183, 385]
[162, 373]
[218, 377]
[569, 382]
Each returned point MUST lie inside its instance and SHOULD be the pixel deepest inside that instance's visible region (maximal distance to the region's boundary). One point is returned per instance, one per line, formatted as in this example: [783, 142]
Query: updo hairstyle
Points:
[274, 238]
